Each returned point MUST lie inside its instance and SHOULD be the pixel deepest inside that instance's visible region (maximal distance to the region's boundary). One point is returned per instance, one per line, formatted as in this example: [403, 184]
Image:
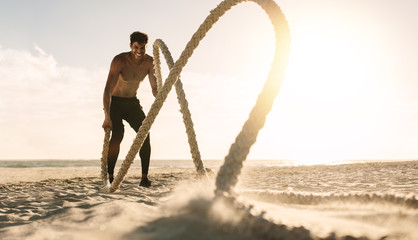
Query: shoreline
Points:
[13, 174]
[22, 175]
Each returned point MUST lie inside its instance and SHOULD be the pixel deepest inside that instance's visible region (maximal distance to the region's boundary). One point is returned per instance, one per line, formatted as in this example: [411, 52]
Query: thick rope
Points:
[104, 157]
[228, 174]
[184, 105]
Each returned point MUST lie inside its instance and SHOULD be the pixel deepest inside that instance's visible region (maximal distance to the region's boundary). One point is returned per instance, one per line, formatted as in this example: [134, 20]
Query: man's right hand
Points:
[107, 123]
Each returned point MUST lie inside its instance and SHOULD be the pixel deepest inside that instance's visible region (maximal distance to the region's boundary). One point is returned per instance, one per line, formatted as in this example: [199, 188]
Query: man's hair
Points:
[139, 37]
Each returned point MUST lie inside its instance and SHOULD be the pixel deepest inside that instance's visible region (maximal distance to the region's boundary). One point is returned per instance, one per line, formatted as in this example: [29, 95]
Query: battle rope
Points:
[229, 172]
[181, 97]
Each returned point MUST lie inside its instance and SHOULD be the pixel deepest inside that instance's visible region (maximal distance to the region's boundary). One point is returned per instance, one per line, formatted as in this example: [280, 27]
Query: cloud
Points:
[43, 103]
[39, 50]
[35, 85]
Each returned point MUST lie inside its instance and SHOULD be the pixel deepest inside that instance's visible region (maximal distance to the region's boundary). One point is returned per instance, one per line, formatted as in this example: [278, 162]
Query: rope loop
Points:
[228, 174]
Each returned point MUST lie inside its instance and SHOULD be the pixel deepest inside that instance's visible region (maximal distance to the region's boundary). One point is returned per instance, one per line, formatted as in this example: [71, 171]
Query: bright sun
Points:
[327, 86]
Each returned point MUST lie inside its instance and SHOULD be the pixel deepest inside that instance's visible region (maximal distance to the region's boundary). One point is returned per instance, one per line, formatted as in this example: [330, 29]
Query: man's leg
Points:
[114, 147]
[135, 118]
[115, 140]
[145, 154]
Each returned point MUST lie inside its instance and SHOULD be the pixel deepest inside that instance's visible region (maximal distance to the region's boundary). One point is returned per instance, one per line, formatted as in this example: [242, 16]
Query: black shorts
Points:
[128, 109]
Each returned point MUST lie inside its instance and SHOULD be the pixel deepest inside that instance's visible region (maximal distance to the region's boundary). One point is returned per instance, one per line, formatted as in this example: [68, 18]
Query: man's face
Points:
[138, 49]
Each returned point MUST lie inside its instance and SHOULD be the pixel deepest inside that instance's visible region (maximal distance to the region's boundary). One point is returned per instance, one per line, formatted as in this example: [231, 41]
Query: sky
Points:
[349, 92]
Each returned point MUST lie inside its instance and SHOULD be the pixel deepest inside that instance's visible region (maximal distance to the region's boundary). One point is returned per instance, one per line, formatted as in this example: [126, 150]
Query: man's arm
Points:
[153, 79]
[112, 79]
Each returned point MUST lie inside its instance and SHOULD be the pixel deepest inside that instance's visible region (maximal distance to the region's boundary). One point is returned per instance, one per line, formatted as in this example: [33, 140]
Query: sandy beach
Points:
[351, 201]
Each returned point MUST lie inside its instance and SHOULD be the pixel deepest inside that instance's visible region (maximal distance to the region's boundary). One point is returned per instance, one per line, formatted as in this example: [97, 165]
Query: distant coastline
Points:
[177, 163]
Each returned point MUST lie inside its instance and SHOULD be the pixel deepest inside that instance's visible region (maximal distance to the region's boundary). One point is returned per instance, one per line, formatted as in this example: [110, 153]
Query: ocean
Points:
[136, 164]
[90, 163]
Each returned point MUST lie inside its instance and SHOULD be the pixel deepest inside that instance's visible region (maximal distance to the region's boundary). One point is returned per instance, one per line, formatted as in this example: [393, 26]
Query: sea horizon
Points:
[179, 163]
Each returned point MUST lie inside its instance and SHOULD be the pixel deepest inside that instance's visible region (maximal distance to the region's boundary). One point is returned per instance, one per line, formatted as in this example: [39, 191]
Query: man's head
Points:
[138, 43]
[139, 37]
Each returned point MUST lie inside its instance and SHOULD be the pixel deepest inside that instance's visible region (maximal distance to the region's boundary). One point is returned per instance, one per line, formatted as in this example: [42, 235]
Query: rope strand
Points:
[184, 105]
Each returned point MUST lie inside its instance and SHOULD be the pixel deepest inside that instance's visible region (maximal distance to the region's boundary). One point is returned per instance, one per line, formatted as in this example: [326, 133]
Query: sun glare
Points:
[327, 86]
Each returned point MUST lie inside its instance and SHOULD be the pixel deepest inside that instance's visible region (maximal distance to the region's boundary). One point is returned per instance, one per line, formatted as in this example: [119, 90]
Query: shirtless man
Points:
[127, 71]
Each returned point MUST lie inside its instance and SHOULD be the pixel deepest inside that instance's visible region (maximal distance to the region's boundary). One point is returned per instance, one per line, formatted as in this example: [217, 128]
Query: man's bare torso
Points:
[131, 75]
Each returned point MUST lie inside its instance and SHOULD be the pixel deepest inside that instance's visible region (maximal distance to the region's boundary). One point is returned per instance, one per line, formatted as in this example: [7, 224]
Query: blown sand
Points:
[348, 201]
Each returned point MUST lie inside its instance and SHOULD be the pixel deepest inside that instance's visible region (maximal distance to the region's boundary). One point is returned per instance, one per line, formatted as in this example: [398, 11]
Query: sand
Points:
[273, 203]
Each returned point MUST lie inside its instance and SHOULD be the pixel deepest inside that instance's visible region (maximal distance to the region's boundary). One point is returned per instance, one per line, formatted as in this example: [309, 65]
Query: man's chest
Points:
[134, 74]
